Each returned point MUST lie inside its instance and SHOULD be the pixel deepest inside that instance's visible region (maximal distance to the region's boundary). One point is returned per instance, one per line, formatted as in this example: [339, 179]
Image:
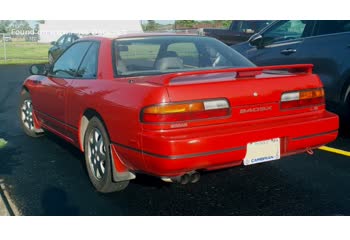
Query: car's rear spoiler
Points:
[232, 73]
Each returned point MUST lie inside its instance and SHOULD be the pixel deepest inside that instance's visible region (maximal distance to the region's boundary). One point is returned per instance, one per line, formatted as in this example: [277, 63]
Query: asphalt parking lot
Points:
[47, 176]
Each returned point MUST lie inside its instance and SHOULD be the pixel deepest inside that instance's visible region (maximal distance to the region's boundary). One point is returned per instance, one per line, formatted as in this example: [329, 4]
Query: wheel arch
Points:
[345, 90]
[117, 176]
[25, 88]
[84, 122]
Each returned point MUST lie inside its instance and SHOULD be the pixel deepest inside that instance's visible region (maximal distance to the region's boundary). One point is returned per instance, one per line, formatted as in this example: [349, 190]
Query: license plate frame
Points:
[263, 151]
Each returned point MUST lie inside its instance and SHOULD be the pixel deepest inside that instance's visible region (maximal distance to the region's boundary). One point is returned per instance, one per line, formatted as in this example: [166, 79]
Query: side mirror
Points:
[38, 69]
[256, 40]
[53, 43]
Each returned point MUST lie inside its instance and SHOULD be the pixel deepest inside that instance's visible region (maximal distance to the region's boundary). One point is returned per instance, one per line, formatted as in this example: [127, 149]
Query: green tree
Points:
[185, 23]
[226, 23]
[4, 26]
[150, 26]
[22, 25]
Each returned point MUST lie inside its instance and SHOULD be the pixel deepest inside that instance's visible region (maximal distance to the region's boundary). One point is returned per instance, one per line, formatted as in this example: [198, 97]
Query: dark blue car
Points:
[324, 43]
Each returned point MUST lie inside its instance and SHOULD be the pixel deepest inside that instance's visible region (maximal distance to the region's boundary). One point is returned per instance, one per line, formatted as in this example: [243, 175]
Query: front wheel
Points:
[26, 115]
[98, 158]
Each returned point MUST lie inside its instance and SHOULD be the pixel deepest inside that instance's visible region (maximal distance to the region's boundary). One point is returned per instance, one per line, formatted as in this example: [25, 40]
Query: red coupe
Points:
[172, 106]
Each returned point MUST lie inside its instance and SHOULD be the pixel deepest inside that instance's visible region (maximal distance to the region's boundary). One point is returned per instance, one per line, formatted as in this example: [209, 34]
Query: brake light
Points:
[175, 112]
[302, 98]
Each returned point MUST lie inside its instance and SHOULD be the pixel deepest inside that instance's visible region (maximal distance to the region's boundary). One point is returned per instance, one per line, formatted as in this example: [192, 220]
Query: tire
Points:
[50, 57]
[98, 158]
[25, 112]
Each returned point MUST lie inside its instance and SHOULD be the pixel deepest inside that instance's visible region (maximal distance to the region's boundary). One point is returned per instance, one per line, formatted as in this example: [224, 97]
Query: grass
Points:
[151, 51]
[2, 142]
[24, 52]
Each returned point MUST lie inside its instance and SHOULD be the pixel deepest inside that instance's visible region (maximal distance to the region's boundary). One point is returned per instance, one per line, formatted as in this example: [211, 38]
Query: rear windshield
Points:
[166, 54]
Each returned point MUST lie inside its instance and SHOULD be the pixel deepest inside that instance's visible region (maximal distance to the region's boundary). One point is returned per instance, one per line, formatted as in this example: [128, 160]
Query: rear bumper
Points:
[179, 151]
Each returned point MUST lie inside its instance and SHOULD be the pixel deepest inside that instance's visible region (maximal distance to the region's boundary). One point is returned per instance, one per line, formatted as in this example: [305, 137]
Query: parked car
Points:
[172, 106]
[326, 44]
[239, 31]
[60, 45]
[7, 39]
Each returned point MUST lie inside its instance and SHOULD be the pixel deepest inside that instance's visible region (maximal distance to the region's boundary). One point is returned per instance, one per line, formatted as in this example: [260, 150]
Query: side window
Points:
[332, 26]
[186, 51]
[60, 41]
[88, 68]
[67, 64]
[285, 30]
[69, 40]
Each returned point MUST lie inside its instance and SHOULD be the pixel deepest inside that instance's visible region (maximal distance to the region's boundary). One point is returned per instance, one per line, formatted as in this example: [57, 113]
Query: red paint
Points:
[168, 149]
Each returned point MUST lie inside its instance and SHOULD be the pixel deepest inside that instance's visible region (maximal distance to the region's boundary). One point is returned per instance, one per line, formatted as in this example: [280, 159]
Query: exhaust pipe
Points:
[191, 177]
[195, 176]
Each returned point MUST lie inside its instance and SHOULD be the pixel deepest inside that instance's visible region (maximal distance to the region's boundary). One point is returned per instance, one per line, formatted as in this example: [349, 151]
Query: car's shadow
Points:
[141, 179]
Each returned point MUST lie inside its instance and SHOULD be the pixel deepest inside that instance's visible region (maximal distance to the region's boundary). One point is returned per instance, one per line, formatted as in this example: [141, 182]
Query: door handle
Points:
[288, 51]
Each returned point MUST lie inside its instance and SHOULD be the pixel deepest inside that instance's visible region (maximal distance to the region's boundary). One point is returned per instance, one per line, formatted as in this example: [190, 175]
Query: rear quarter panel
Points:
[119, 103]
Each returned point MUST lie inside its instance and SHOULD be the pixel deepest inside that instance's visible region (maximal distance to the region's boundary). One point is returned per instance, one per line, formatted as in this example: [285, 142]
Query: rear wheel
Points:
[98, 158]
[27, 116]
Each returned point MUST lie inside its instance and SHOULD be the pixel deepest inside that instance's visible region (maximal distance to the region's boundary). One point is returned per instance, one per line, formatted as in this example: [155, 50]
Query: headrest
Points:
[169, 63]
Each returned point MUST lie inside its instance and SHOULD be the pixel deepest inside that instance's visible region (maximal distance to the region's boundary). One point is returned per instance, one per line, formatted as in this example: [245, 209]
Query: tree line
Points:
[152, 25]
[6, 26]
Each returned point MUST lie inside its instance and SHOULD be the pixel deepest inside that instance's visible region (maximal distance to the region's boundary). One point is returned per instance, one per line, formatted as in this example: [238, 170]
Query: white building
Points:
[51, 30]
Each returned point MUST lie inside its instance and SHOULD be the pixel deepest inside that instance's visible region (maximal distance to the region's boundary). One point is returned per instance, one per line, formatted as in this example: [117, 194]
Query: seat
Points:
[121, 66]
[169, 60]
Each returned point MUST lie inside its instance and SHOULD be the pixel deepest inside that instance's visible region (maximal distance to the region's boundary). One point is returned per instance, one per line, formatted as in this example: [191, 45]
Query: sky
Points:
[33, 22]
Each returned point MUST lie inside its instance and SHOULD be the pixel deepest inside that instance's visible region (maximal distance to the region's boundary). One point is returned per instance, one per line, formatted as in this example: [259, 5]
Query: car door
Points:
[280, 43]
[83, 84]
[329, 50]
[51, 100]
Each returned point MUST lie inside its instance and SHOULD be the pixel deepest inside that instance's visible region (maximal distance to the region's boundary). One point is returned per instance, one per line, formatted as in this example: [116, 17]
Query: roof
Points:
[138, 35]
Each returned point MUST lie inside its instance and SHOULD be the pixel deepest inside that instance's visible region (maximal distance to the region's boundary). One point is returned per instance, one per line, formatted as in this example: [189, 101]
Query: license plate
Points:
[262, 151]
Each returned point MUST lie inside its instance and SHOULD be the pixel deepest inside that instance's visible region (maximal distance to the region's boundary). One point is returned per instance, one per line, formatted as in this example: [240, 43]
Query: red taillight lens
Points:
[176, 112]
[305, 98]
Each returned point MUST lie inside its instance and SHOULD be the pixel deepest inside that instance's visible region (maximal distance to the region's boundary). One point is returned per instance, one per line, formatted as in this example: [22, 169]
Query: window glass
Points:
[69, 39]
[164, 54]
[60, 41]
[67, 64]
[187, 51]
[136, 55]
[285, 30]
[249, 26]
[88, 68]
[332, 26]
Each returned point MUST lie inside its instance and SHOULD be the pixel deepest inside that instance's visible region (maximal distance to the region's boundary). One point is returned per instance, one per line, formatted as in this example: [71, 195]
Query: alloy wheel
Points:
[97, 153]
[27, 115]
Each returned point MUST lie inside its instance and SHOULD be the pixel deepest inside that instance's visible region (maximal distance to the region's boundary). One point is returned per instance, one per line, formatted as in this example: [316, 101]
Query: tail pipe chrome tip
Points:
[191, 177]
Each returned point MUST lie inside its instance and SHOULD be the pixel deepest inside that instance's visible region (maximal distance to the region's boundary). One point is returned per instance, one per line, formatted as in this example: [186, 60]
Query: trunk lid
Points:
[253, 93]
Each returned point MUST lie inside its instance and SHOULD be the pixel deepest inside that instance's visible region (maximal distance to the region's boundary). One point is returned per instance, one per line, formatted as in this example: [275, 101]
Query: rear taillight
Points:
[303, 98]
[175, 112]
